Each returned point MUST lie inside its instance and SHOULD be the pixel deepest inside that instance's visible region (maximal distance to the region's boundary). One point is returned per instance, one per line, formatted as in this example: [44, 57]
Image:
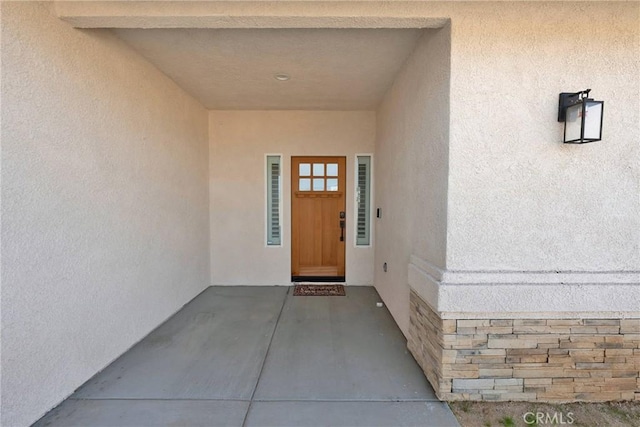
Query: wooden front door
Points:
[318, 218]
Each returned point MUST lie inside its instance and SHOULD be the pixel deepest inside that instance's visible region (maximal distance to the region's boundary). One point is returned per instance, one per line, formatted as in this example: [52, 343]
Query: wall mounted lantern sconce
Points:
[582, 117]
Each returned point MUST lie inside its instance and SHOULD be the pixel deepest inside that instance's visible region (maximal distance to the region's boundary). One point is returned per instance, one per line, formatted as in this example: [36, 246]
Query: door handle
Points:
[342, 225]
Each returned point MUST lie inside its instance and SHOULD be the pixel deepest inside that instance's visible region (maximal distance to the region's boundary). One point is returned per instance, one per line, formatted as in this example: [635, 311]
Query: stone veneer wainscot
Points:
[548, 360]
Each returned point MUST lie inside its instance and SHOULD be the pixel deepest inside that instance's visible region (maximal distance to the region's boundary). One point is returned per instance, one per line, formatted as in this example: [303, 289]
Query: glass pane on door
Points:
[318, 169]
[305, 169]
[304, 184]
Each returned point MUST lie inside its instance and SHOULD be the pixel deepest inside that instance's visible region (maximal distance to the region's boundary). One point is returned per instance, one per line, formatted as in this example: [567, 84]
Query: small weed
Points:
[617, 412]
[487, 424]
[507, 422]
[465, 406]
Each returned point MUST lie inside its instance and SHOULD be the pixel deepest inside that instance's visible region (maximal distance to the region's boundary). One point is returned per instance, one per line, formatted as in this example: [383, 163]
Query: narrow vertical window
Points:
[273, 201]
[363, 201]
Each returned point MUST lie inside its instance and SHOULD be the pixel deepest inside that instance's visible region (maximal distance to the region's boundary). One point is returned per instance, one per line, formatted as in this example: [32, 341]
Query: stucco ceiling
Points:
[330, 69]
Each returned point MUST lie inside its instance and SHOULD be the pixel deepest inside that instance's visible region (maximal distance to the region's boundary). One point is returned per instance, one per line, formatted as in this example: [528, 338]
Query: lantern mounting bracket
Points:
[567, 99]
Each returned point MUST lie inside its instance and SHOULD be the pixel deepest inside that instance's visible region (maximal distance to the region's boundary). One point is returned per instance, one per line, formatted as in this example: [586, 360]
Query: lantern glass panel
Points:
[593, 120]
[573, 123]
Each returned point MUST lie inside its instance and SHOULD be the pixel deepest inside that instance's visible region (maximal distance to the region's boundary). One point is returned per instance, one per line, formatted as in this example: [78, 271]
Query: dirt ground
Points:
[516, 414]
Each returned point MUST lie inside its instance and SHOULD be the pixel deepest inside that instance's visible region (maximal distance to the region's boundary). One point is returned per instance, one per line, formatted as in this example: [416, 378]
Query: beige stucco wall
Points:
[412, 145]
[518, 199]
[524, 210]
[104, 205]
[239, 142]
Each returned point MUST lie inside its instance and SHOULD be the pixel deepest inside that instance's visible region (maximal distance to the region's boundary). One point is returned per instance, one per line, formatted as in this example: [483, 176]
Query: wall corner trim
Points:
[593, 293]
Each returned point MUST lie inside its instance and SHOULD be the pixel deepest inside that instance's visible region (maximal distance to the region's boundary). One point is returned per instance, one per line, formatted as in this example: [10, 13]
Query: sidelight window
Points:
[274, 190]
[363, 201]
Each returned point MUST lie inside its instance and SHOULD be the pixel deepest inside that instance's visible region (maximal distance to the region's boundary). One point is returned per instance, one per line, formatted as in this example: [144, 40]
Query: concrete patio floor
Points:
[258, 356]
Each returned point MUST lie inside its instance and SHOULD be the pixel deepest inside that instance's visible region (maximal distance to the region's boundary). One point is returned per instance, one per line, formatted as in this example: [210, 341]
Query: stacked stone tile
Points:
[548, 360]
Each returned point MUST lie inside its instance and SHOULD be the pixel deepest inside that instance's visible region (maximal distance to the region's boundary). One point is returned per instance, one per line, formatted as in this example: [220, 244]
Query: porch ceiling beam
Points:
[239, 14]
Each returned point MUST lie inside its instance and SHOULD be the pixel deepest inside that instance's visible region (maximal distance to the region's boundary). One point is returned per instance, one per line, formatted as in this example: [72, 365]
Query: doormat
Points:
[318, 291]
